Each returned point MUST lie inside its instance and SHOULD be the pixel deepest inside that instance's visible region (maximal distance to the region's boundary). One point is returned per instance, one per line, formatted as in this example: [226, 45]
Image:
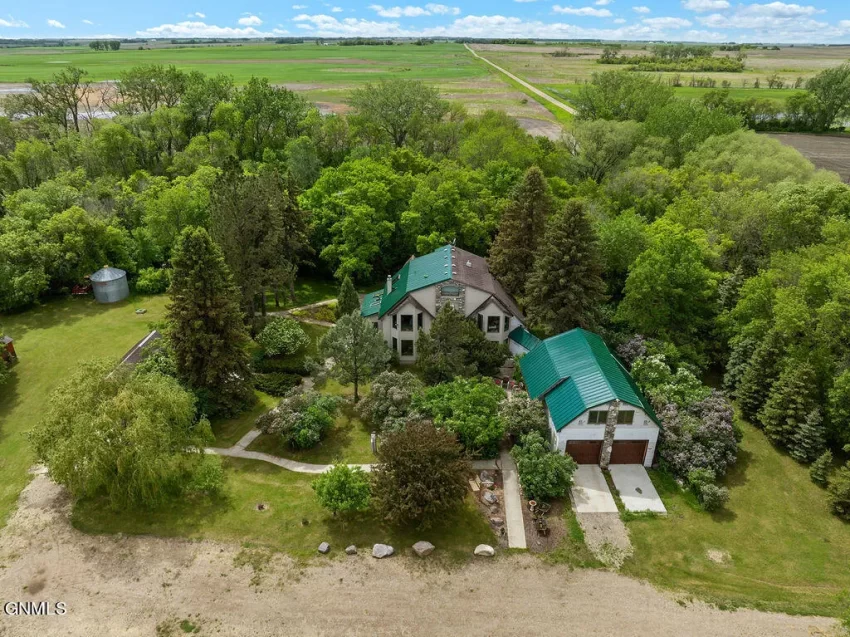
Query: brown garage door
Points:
[585, 451]
[628, 451]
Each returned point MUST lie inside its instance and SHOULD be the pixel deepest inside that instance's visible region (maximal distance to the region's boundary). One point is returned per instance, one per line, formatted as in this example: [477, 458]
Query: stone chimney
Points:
[389, 286]
[610, 430]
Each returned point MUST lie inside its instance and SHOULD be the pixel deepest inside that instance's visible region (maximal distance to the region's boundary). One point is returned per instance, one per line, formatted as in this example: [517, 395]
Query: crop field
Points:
[830, 152]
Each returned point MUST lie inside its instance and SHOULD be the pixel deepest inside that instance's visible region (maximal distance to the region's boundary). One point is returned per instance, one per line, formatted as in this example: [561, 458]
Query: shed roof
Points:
[525, 338]
[576, 371]
[106, 274]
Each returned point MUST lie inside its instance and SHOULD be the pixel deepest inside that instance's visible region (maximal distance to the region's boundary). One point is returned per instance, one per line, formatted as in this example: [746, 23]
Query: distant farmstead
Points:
[110, 285]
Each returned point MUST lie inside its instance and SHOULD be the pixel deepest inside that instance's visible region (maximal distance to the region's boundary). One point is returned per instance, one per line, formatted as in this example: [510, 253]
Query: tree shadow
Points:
[10, 399]
[737, 474]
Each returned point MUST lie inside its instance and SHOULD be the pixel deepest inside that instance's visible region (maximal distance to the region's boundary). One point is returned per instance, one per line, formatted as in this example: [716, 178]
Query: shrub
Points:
[420, 475]
[342, 489]
[276, 383]
[263, 365]
[839, 492]
[543, 473]
[468, 407]
[153, 280]
[522, 415]
[5, 373]
[819, 471]
[301, 418]
[282, 337]
[389, 401]
[662, 386]
[208, 477]
[713, 497]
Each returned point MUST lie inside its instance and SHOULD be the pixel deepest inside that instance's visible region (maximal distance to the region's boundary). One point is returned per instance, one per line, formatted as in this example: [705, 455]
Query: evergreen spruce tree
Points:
[810, 440]
[758, 377]
[819, 471]
[791, 399]
[565, 289]
[347, 301]
[207, 334]
[512, 255]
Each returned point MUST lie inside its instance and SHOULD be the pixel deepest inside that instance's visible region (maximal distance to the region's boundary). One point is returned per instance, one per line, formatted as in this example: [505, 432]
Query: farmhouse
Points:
[583, 387]
[448, 276]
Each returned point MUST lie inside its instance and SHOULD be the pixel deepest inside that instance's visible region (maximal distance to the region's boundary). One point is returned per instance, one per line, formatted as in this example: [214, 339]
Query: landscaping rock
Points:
[351, 550]
[496, 521]
[423, 548]
[487, 484]
[486, 476]
[485, 550]
[324, 547]
[382, 550]
[490, 498]
[494, 509]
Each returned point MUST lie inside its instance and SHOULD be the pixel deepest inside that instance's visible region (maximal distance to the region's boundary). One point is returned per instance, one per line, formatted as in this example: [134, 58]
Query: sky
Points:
[826, 21]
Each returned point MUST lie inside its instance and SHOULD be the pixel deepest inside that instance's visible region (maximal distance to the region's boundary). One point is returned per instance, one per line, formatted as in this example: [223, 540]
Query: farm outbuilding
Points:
[110, 285]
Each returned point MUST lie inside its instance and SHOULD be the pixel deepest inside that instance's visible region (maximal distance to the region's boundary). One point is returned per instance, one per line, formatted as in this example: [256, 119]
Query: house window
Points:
[625, 417]
[597, 417]
[419, 321]
[395, 321]
[450, 290]
[507, 323]
[407, 322]
[481, 322]
[395, 344]
[375, 324]
[493, 324]
[407, 348]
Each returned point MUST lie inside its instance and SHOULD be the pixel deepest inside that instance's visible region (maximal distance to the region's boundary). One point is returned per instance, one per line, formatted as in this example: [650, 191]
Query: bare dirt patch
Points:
[541, 128]
[137, 585]
[829, 152]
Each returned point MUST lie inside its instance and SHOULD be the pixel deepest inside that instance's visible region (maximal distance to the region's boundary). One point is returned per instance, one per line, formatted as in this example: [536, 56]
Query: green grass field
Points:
[781, 548]
[51, 341]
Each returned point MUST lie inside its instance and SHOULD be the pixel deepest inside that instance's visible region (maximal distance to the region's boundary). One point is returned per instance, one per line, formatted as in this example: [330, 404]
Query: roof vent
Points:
[469, 264]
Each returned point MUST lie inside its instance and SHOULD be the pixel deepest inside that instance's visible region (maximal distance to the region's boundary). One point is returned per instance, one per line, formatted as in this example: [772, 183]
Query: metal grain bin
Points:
[110, 285]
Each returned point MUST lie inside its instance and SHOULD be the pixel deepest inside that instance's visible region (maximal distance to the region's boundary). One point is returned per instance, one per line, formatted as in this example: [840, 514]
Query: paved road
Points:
[533, 89]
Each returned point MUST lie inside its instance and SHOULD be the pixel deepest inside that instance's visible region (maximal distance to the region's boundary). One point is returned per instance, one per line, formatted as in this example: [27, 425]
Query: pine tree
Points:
[791, 399]
[565, 289]
[347, 301]
[207, 334]
[809, 441]
[759, 376]
[512, 255]
[819, 471]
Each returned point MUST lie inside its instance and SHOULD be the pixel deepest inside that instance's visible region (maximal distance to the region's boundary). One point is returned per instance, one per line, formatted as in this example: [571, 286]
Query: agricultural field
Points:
[830, 152]
[325, 75]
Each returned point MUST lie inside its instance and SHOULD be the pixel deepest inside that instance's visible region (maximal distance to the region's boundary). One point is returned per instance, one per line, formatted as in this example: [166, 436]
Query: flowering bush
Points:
[281, 337]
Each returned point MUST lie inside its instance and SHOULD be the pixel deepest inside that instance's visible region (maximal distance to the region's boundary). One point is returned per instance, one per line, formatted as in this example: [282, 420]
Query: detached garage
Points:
[585, 388]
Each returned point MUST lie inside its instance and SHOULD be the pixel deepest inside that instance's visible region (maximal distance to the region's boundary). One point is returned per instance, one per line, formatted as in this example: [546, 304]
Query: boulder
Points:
[485, 476]
[351, 550]
[382, 550]
[490, 498]
[487, 484]
[324, 547]
[496, 521]
[485, 550]
[423, 548]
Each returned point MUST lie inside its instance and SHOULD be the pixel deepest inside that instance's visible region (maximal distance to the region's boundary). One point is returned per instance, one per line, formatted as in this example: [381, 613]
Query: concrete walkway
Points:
[590, 492]
[513, 502]
[636, 489]
[533, 89]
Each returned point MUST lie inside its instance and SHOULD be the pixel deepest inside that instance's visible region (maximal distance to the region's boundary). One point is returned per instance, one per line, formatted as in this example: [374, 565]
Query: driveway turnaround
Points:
[590, 492]
[636, 489]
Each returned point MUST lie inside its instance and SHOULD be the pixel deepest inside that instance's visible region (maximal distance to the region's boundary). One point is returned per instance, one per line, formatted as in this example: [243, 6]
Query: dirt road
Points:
[148, 586]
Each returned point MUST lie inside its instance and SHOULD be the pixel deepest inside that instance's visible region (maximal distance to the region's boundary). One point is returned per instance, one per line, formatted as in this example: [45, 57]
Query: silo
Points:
[110, 285]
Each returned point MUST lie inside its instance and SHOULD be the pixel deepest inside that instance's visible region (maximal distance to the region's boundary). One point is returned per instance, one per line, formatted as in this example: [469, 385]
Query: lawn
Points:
[307, 291]
[50, 341]
[348, 441]
[786, 552]
[290, 503]
[228, 431]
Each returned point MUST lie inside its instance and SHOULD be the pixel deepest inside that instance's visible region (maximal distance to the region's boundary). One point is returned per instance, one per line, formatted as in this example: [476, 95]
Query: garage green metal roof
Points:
[576, 371]
[523, 337]
[417, 273]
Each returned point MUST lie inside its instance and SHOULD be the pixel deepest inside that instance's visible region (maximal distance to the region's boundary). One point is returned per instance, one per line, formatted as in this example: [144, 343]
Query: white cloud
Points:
[602, 3]
[701, 6]
[195, 29]
[640, 9]
[620, 21]
[844, 24]
[12, 23]
[442, 9]
[696, 35]
[779, 9]
[299, 6]
[197, 14]
[337, 10]
[583, 11]
[776, 22]
[414, 12]
[55, 24]
[523, 1]
[250, 21]
[667, 23]
[87, 22]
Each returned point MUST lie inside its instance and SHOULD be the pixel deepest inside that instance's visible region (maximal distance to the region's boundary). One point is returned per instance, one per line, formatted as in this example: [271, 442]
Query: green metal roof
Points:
[525, 338]
[417, 273]
[574, 372]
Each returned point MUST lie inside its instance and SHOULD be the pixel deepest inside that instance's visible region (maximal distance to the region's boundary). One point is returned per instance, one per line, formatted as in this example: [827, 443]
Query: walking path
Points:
[513, 502]
[533, 89]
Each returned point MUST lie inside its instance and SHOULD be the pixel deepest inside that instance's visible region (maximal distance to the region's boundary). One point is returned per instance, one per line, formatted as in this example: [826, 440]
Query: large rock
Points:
[423, 548]
[485, 550]
[496, 521]
[490, 498]
[351, 550]
[382, 550]
[485, 475]
[324, 547]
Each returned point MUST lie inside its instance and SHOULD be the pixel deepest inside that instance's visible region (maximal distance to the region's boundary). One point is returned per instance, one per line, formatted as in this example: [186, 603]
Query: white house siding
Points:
[642, 429]
[493, 309]
[407, 307]
[426, 298]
